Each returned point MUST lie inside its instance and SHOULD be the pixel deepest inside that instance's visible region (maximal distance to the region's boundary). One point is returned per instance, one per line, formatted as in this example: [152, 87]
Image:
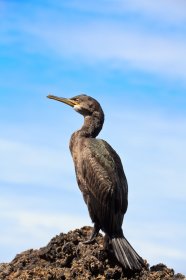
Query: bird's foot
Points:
[89, 241]
[93, 235]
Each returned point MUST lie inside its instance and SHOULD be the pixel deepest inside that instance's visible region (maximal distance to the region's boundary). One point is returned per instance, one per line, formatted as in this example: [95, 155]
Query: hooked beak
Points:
[67, 101]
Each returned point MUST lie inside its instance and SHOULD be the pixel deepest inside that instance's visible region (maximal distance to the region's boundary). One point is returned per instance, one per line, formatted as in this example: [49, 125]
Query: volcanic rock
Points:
[67, 258]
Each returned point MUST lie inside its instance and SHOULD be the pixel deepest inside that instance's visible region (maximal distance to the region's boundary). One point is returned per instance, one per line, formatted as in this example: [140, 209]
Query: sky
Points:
[130, 56]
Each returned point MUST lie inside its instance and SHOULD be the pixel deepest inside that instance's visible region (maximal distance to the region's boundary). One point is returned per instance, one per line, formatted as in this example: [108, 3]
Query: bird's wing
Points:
[103, 175]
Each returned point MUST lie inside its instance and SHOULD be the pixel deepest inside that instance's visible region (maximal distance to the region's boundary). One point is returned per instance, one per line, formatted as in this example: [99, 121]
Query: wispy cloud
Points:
[156, 250]
[30, 164]
[122, 45]
[152, 148]
[166, 10]
[31, 228]
[113, 41]
[36, 223]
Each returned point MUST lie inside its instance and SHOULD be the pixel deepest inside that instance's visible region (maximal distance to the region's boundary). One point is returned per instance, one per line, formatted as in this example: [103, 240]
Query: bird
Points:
[101, 179]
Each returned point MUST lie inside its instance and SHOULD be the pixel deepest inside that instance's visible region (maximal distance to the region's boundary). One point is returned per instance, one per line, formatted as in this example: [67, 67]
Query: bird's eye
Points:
[76, 99]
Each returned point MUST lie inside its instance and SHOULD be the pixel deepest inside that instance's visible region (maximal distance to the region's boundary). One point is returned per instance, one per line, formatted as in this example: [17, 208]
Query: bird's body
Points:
[101, 179]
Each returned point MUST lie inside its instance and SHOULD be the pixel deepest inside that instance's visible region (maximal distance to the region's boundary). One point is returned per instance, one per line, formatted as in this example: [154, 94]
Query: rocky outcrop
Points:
[66, 258]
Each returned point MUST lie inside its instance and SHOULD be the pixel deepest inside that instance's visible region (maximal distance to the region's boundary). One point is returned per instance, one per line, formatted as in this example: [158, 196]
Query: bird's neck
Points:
[90, 129]
[92, 125]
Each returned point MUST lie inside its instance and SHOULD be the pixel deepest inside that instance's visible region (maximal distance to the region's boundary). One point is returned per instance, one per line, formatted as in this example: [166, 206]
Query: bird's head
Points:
[83, 104]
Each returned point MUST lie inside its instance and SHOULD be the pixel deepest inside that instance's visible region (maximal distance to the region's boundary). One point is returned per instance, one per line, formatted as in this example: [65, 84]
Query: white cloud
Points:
[33, 226]
[156, 251]
[166, 10]
[119, 44]
[152, 147]
[37, 223]
[30, 164]
[24, 229]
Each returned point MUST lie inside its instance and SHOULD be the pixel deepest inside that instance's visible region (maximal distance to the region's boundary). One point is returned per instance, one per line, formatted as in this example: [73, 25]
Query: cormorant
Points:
[101, 179]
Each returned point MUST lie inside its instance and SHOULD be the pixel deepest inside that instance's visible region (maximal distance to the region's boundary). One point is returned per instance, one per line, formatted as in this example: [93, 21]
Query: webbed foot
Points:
[93, 235]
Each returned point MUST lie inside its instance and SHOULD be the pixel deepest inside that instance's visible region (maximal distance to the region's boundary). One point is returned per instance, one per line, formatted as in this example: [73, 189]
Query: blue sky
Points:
[130, 55]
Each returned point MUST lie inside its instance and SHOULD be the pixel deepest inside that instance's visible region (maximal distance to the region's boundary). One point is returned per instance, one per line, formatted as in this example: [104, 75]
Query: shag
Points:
[101, 179]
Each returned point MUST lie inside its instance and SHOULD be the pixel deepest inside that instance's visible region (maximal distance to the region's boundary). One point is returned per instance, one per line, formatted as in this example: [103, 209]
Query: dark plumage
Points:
[101, 179]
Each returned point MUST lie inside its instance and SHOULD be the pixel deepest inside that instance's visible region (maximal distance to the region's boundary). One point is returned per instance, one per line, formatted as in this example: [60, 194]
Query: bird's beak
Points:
[67, 101]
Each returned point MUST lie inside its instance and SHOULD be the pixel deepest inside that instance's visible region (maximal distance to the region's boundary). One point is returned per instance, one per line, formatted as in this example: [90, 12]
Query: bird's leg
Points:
[106, 242]
[93, 235]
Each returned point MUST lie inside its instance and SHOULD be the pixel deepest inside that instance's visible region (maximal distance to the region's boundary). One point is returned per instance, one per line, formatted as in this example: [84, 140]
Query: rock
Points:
[67, 258]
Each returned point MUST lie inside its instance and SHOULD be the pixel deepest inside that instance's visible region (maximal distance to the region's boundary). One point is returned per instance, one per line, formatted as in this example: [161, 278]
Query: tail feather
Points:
[126, 255]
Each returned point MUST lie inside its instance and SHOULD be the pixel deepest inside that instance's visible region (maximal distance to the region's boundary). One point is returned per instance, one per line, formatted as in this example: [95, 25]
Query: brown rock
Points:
[67, 258]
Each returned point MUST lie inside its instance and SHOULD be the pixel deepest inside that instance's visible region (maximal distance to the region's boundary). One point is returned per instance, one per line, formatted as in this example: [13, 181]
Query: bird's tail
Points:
[125, 254]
